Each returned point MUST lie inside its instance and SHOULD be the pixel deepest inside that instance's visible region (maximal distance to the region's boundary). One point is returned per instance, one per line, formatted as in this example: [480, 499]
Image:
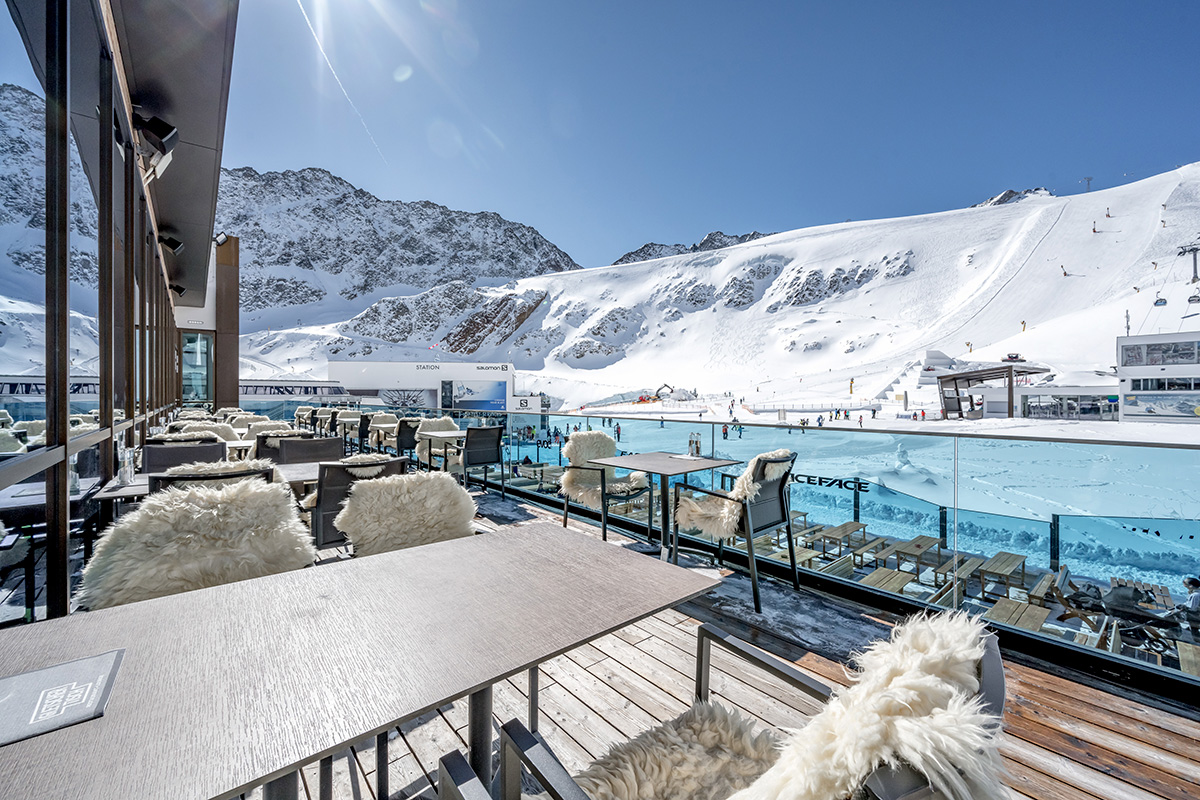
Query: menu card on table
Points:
[44, 700]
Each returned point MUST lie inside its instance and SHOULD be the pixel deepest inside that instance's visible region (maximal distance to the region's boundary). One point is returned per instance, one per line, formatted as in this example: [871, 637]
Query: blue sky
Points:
[609, 124]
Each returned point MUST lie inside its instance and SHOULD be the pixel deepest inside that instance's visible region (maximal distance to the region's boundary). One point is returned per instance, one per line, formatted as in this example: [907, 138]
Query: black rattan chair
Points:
[161, 457]
[333, 487]
[298, 451]
[483, 448]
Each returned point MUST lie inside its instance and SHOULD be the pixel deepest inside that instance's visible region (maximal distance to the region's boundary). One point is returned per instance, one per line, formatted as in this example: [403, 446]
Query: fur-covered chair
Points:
[423, 445]
[222, 429]
[758, 502]
[213, 473]
[33, 427]
[334, 482]
[183, 539]
[244, 420]
[9, 443]
[256, 428]
[400, 511]
[596, 487]
[184, 436]
[6, 419]
[228, 411]
[382, 425]
[919, 721]
[301, 416]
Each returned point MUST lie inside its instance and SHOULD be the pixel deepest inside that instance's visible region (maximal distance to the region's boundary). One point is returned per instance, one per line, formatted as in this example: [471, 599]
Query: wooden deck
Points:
[1061, 740]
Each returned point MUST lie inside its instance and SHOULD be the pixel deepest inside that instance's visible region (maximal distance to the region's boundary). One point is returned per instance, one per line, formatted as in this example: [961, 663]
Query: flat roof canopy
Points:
[975, 376]
[177, 56]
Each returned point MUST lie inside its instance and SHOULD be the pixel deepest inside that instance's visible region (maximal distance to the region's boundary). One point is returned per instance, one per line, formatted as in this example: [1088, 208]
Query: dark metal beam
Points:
[58, 251]
[104, 251]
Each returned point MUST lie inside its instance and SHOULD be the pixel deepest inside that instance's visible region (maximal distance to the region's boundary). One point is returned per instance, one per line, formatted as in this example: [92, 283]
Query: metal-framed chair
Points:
[263, 449]
[161, 457]
[162, 481]
[298, 451]
[767, 510]
[483, 447]
[864, 772]
[596, 487]
[334, 481]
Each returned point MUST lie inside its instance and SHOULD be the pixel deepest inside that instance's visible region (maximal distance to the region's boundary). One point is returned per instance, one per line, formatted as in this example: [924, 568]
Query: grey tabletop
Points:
[28, 495]
[303, 472]
[446, 435]
[660, 463]
[277, 671]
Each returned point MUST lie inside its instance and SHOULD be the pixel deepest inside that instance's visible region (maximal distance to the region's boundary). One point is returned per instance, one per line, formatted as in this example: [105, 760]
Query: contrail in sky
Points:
[345, 94]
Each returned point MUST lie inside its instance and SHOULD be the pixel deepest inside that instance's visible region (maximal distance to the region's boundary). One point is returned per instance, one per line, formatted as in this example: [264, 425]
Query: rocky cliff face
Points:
[713, 241]
[308, 237]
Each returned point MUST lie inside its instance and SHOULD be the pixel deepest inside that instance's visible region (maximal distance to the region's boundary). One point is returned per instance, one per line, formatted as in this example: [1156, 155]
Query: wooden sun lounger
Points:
[1042, 588]
[1059, 589]
[840, 568]
[1159, 595]
[1018, 614]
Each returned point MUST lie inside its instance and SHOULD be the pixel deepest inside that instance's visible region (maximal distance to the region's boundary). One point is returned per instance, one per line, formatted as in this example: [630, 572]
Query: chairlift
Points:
[1159, 300]
[1194, 298]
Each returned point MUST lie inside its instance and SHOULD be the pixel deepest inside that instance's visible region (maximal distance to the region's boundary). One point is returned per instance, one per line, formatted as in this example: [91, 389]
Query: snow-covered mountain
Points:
[713, 241]
[316, 248]
[803, 312]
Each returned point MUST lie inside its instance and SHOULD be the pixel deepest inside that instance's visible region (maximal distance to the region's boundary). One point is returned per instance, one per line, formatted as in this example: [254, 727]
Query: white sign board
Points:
[360, 374]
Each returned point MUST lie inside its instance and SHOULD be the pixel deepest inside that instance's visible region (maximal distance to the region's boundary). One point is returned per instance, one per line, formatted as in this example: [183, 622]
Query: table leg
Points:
[479, 733]
[285, 788]
[665, 501]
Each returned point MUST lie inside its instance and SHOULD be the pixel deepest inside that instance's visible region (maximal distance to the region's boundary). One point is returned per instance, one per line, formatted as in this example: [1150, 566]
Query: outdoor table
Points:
[916, 549]
[244, 446]
[665, 466]
[888, 580]
[269, 676]
[1001, 566]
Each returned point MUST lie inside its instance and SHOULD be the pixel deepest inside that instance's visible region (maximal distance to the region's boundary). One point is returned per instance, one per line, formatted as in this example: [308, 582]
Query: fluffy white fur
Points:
[9, 443]
[244, 420]
[273, 440]
[430, 425]
[219, 468]
[707, 753]
[913, 703]
[348, 421]
[190, 436]
[381, 426]
[222, 429]
[184, 539]
[365, 465]
[34, 427]
[301, 414]
[191, 413]
[583, 485]
[400, 511]
[717, 518]
[256, 428]
[5, 419]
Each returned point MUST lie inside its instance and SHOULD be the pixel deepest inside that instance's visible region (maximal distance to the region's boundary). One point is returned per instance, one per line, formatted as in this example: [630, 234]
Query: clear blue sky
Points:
[609, 124]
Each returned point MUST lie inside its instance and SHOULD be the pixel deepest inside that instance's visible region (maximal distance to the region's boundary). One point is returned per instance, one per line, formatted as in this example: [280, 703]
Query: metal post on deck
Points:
[58, 247]
[479, 733]
[943, 525]
[1054, 542]
[856, 502]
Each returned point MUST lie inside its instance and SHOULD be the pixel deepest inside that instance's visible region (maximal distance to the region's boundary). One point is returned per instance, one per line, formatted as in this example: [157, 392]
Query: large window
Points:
[197, 367]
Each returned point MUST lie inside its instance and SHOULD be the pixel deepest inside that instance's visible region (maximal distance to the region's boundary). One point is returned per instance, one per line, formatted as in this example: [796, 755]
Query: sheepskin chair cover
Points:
[222, 429]
[9, 443]
[392, 436]
[301, 414]
[347, 421]
[273, 440]
[244, 420]
[365, 465]
[192, 413]
[5, 419]
[33, 427]
[190, 436]
[219, 468]
[184, 539]
[707, 753]
[430, 425]
[914, 703]
[583, 485]
[256, 428]
[381, 425]
[717, 518]
[400, 511]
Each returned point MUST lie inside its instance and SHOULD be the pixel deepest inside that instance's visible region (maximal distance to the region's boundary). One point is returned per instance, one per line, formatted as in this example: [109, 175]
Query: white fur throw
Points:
[218, 468]
[365, 465]
[400, 511]
[914, 703]
[9, 443]
[431, 425]
[583, 485]
[192, 413]
[273, 439]
[256, 428]
[34, 427]
[707, 753]
[222, 429]
[184, 539]
[301, 414]
[382, 425]
[190, 436]
[348, 421]
[717, 518]
[244, 420]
